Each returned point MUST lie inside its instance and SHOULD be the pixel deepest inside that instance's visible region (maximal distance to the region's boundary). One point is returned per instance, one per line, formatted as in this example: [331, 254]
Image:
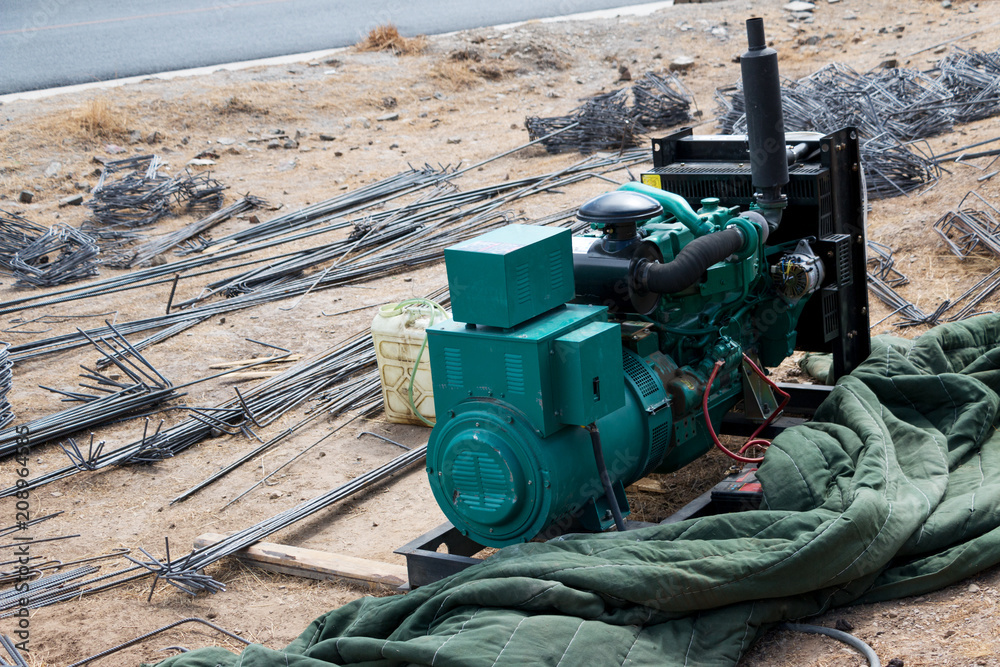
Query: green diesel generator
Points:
[576, 365]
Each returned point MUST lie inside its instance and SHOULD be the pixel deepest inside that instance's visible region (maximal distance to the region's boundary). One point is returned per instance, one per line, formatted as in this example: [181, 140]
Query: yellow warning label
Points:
[653, 180]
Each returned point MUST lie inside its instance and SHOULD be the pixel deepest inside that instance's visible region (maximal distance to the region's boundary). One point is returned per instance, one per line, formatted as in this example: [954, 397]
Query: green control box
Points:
[561, 369]
[589, 382]
[510, 275]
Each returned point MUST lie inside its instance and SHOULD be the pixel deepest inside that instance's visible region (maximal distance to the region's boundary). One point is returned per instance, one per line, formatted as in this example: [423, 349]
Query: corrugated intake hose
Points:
[690, 263]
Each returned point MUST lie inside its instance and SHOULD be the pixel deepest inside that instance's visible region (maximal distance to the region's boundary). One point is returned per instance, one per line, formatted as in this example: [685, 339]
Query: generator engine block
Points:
[576, 365]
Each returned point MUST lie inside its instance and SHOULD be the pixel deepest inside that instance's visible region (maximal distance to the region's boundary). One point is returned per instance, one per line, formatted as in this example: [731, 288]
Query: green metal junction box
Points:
[510, 275]
[588, 373]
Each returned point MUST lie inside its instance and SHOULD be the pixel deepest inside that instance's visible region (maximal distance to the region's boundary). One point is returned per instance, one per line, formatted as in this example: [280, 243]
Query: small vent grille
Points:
[831, 315]
[639, 374]
[522, 276]
[730, 181]
[556, 270]
[729, 168]
[825, 206]
[801, 188]
[723, 188]
[843, 253]
[453, 367]
[705, 168]
[514, 365]
[480, 482]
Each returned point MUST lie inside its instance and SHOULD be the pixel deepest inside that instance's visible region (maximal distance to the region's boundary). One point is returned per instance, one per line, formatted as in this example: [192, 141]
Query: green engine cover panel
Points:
[510, 275]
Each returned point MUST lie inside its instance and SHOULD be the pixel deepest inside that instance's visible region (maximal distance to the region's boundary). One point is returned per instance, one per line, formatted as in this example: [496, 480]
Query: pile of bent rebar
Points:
[61, 255]
[6, 381]
[893, 108]
[134, 193]
[971, 228]
[973, 77]
[15, 233]
[609, 122]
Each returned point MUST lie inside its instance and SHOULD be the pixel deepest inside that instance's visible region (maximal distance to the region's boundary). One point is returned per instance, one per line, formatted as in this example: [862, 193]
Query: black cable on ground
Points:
[848, 639]
[616, 512]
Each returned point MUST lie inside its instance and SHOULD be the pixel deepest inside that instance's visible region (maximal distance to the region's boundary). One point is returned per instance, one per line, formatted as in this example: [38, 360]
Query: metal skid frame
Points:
[425, 564]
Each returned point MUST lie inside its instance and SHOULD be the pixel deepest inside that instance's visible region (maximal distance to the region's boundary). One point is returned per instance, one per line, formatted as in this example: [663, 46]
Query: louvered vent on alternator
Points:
[453, 367]
[514, 370]
[480, 481]
[639, 374]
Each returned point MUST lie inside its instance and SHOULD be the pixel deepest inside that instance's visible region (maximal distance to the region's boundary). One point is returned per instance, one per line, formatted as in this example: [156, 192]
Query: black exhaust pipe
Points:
[765, 123]
[768, 168]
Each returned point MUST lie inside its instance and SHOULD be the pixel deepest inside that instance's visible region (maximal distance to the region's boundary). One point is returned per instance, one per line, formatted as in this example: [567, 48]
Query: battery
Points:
[738, 492]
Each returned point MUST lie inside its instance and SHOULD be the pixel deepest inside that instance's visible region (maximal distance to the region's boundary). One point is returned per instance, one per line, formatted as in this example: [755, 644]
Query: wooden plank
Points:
[648, 485]
[313, 564]
[252, 375]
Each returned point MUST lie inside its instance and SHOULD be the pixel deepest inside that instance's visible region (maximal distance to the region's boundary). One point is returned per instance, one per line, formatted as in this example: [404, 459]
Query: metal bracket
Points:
[425, 564]
[758, 397]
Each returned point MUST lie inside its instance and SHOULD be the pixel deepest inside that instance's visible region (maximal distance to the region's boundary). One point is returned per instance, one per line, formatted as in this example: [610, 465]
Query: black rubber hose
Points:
[848, 639]
[690, 263]
[602, 470]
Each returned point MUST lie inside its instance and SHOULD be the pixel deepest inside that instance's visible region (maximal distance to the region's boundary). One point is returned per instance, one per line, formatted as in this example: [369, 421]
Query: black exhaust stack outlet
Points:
[765, 123]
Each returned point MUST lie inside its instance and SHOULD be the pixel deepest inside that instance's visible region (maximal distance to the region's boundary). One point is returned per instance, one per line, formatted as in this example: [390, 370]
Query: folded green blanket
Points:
[893, 490]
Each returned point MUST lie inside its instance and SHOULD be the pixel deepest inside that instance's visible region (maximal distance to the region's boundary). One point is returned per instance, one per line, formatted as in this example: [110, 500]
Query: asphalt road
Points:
[48, 43]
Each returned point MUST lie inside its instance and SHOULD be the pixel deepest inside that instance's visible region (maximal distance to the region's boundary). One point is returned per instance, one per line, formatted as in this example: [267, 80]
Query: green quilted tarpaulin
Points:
[893, 490]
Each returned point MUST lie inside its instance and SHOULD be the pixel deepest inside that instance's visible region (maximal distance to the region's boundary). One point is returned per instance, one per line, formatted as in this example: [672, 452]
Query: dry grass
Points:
[457, 75]
[492, 71]
[259, 98]
[465, 67]
[11, 180]
[379, 100]
[241, 104]
[98, 118]
[680, 487]
[387, 38]
[35, 661]
[539, 56]
[399, 100]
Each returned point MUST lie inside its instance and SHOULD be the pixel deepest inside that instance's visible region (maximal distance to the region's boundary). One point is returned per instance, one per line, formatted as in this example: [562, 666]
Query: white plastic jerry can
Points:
[400, 338]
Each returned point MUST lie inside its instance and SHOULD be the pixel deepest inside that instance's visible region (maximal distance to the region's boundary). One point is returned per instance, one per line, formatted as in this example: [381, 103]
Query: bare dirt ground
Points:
[462, 99]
